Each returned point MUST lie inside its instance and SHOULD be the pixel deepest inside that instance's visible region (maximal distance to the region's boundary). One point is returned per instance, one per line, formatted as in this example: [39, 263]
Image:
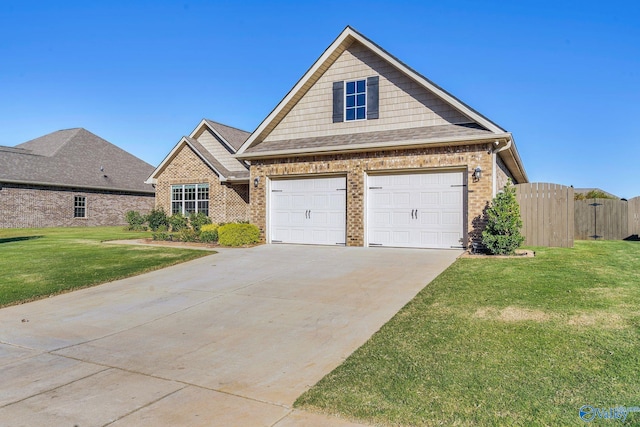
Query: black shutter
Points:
[372, 97]
[338, 102]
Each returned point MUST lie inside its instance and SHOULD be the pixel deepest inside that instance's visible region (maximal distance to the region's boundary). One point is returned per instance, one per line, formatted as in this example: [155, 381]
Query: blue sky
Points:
[563, 76]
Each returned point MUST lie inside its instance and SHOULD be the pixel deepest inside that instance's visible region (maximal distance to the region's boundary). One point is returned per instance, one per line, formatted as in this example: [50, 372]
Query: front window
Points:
[190, 198]
[79, 207]
[356, 100]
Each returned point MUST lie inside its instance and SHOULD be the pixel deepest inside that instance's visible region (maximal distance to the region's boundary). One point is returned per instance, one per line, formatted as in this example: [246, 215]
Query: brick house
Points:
[200, 174]
[70, 178]
[364, 151]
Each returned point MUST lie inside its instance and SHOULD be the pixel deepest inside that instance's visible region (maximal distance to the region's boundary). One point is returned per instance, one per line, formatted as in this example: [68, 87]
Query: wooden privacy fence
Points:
[601, 219]
[551, 216]
[547, 214]
[633, 216]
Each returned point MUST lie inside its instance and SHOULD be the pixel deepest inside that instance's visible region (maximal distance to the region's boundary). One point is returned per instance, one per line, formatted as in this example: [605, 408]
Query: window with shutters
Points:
[355, 100]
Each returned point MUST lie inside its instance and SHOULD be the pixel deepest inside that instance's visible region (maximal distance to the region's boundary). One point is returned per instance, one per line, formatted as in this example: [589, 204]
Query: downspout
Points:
[494, 153]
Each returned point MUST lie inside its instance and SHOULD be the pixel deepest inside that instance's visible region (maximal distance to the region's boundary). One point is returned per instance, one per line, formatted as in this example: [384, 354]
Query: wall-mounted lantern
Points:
[477, 174]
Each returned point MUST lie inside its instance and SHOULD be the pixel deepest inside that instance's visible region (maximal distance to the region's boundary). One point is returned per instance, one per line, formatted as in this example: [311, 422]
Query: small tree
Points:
[502, 233]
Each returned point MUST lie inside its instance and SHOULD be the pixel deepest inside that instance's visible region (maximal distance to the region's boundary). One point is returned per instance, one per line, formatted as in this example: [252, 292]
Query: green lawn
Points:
[36, 263]
[502, 342]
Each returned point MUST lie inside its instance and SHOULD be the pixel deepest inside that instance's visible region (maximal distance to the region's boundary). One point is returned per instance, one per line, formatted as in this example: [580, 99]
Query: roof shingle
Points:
[74, 158]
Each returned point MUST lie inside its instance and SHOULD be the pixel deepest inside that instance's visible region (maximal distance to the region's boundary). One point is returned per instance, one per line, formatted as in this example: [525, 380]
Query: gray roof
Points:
[74, 158]
[206, 155]
[234, 136]
[406, 136]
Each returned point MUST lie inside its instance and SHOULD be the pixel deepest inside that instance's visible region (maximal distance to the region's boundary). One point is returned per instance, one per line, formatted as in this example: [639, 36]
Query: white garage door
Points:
[310, 211]
[421, 210]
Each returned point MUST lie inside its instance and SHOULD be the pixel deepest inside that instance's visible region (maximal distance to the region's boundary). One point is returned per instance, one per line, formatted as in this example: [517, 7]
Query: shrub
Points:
[238, 234]
[188, 235]
[177, 222]
[157, 218]
[135, 220]
[197, 220]
[209, 233]
[161, 234]
[502, 233]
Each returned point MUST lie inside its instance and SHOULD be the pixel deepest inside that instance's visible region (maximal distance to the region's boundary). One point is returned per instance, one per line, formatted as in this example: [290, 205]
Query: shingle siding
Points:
[403, 103]
[24, 206]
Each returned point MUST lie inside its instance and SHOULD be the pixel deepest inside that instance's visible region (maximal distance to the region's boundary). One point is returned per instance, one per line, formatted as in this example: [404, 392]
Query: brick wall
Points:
[465, 158]
[37, 206]
[502, 174]
[227, 202]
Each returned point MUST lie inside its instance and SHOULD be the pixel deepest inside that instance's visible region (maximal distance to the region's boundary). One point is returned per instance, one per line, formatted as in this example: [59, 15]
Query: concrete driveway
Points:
[231, 339]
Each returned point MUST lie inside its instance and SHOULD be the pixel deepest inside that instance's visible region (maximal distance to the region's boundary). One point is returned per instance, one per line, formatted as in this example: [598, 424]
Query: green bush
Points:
[502, 233]
[135, 221]
[157, 218]
[238, 234]
[197, 220]
[188, 235]
[178, 222]
[209, 233]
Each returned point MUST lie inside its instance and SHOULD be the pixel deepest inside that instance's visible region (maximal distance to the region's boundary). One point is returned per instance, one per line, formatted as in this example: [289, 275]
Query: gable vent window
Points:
[190, 198]
[79, 207]
[355, 100]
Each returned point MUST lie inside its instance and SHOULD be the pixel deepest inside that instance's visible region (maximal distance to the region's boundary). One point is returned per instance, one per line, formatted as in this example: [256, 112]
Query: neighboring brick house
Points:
[364, 151]
[70, 178]
[200, 174]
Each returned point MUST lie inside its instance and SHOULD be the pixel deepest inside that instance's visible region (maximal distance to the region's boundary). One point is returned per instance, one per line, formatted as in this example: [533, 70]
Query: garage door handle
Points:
[412, 210]
[416, 213]
[309, 213]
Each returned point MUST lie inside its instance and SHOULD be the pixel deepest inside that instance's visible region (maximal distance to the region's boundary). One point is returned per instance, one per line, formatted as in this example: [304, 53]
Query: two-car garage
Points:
[416, 210]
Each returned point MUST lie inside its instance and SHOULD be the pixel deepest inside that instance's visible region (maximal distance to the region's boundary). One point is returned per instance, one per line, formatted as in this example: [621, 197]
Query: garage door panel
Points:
[428, 238]
[401, 198]
[429, 198]
[401, 218]
[429, 218]
[308, 211]
[451, 218]
[401, 238]
[383, 199]
[416, 210]
[297, 202]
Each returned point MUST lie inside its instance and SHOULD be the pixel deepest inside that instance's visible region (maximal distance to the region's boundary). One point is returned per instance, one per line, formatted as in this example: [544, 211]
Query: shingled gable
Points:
[74, 158]
[472, 127]
[215, 149]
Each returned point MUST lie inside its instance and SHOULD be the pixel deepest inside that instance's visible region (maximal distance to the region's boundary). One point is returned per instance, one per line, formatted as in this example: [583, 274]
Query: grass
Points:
[36, 263]
[502, 342]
